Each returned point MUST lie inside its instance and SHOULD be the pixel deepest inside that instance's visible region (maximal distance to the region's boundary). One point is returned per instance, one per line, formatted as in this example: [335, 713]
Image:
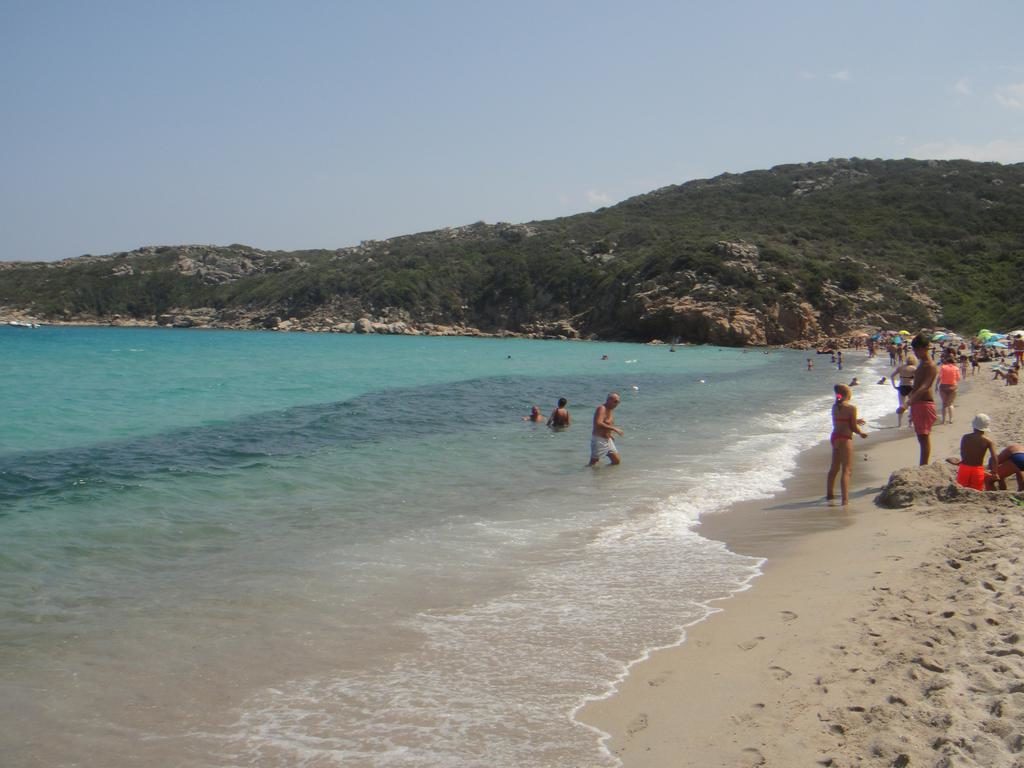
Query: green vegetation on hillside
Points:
[914, 242]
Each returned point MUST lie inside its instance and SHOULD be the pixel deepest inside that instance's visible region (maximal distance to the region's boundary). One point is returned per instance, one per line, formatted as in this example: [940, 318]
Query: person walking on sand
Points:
[844, 424]
[560, 418]
[921, 400]
[949, 379]
[973, 446]
[903, 381]
[601, 442]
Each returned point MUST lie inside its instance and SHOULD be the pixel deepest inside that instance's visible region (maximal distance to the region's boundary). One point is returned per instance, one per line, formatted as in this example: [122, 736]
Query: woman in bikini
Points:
[903, 380]
[844, 424]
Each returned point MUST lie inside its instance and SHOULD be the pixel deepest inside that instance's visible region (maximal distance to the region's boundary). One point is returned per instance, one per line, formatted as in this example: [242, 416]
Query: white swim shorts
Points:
[601, 447]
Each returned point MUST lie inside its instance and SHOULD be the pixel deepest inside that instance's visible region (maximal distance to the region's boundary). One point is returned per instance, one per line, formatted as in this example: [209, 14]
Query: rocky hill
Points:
[793, 254]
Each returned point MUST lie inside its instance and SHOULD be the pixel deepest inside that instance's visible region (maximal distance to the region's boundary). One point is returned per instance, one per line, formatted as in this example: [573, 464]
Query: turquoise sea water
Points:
[226, 548]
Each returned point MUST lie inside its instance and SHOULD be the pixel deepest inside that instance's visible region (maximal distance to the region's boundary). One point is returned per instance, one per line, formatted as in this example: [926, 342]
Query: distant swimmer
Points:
[560, 418]
[810, 364]
[535, 415]
[601, 442]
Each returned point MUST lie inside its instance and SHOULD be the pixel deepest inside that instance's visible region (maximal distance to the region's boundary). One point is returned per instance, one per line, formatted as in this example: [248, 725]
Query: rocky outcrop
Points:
[558, 329]
[793, 320]
[217, 266]
[702, 322]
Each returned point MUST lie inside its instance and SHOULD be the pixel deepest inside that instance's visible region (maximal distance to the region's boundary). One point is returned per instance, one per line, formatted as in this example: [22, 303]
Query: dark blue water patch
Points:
[254, 442]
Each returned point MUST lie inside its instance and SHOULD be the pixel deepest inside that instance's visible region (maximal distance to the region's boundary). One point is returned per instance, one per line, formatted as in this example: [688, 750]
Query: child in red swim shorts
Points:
[973, 447]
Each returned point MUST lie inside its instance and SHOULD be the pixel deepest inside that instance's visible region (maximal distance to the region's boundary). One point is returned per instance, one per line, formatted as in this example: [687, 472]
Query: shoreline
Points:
[367, 327]
[777, 674]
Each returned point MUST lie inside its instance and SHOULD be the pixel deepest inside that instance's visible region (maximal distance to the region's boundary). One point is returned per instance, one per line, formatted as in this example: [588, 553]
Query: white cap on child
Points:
[981, 422]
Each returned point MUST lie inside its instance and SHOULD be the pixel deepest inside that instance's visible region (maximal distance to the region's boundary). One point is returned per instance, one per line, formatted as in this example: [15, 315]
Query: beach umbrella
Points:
[995, 343]
[1016, 334]
[904, 333]
[984, 333]
[940, 337]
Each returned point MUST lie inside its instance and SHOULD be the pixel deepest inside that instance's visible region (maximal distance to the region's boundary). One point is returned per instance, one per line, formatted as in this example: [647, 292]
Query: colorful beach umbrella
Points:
[995, 343]
[940, 337]
[904, 333]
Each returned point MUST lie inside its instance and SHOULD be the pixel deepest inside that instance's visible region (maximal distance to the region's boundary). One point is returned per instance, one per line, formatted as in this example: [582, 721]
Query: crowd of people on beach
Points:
[918, 375]
[923, 366]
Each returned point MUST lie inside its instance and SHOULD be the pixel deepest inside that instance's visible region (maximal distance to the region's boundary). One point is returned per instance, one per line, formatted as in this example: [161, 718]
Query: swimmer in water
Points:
[535, 415]
[560, 418]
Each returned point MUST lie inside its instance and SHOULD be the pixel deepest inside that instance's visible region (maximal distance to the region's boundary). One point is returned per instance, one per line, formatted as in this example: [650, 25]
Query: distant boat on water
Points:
[22, 324]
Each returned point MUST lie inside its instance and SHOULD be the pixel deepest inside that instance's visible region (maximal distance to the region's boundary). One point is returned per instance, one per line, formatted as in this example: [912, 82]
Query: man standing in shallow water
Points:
[601, 443]
[921, 400]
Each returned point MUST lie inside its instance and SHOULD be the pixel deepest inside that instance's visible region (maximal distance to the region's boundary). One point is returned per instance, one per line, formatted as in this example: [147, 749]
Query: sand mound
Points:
[916, 486]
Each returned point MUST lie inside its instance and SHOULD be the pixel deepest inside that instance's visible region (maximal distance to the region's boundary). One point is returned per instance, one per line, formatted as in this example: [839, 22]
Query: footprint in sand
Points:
[752, 758]
[638, 724]
[779, 673]
[788, 616]
[654, 682]
[747, 645]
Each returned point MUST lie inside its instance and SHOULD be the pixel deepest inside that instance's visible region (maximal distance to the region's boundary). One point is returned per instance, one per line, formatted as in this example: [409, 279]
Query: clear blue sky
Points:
[315, 124]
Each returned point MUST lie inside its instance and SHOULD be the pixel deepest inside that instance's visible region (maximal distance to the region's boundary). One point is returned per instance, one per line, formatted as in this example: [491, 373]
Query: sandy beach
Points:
[882, 634]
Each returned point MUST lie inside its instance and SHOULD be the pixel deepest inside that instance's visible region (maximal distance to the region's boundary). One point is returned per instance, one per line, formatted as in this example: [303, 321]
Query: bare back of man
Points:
[1010, 461]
